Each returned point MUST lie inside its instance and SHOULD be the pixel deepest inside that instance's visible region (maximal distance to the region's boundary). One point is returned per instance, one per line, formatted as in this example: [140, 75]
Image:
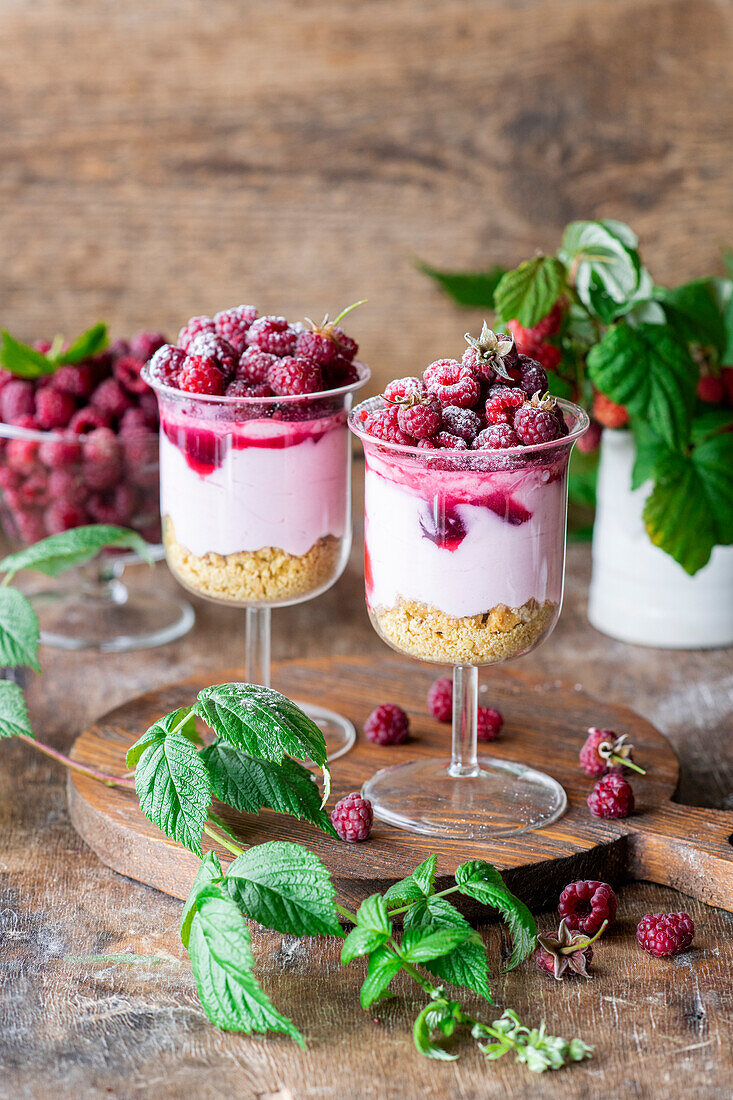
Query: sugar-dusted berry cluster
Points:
[492, 399]
[237, 353]
[98, 463]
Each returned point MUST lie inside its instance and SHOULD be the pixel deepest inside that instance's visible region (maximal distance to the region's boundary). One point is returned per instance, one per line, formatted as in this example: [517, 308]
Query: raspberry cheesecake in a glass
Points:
[255, 463]
[465, 520]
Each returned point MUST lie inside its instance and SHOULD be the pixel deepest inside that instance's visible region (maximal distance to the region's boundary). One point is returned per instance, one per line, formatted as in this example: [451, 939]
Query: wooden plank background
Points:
[169, 158]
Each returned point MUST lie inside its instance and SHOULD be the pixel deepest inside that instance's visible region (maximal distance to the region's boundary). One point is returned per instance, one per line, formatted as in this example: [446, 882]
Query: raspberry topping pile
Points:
[665, 933]
[612, 796]
[238, 354]
[585, 905]
[494, 398]
[352, 817]
[387, 725]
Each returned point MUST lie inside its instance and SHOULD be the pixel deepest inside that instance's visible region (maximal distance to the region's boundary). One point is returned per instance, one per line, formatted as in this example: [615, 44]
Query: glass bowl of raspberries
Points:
[78, 446]
[465, 522]
[255, 467]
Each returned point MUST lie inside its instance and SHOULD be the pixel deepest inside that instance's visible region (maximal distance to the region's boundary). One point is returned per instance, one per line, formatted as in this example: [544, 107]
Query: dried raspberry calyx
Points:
[616, 750]
[569, 950]
[330, 328]
[492, 349]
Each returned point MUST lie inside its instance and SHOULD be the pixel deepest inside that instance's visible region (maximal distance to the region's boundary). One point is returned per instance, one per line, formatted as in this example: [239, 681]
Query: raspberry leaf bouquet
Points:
[657, 360]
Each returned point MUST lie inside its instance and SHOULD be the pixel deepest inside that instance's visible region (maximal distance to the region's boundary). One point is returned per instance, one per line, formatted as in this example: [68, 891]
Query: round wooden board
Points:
[545, 725]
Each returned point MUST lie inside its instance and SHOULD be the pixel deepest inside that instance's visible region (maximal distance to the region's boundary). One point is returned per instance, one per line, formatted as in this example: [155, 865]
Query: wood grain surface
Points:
[171, 158]
[545, 727]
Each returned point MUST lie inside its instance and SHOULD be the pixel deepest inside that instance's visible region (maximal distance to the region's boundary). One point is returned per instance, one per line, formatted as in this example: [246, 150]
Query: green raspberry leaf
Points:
[85, 346]
[434, 1016]
[473, 289]
[263, 723]
[383, 966]
[209, 872]
[373, 928]
[710, 422]
[694, 313]
[59, 552]
[650, 372]
[528, 293]
[286, 887]
[466, 965]
[173, 786]
[22, 360]
[420, 884]
[609, 277]
[690, 509]
[13, 712]
[19, 632]
[160, 729]
[249, 784]
[481, 880]
[650, 450]
[423, 942]
[221, 958]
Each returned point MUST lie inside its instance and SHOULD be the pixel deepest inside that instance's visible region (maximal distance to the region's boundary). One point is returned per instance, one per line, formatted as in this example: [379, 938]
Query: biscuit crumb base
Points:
[431, 635]
[269, 575]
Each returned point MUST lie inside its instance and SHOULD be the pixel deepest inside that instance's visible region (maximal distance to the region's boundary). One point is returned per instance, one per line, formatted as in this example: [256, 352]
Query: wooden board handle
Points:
[686, 847]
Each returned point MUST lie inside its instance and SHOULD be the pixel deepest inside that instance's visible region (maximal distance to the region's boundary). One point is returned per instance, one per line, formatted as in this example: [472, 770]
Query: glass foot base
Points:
[113, 623]
[338, 732]
[503, 799]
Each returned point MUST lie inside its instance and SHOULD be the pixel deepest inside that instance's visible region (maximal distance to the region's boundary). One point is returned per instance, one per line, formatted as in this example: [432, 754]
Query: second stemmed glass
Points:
[256, 507]
[464, 565]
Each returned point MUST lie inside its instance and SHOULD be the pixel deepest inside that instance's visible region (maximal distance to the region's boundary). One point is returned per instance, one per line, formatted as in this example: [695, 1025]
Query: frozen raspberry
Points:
[419, 416]
[254, 365]
[62, 516]
[446, 441]
[503, 403]
[127, 372]
[490, 354]
[294, 375]
[54, 409]
[496, 437]
[341, 372]
[477, 365]
[532, 376]
[452, 383]
[233, 324]
[318, 346]
[608, 413]
[387, 725]
[710, 389]
[352, 817]
[426, 444]
[56, 453]
[66, 483]
[165, 366]
[240, 388]
[586, 905]
[665, 933]
[272, 334]
[347, 345]
[145, 344]
[612, 796]
[384, 425]
[440, 699]
[461, 422]
[403, 387]
[110, 397]
[201, 374]
[192, 329]
[88, 420]
[77, 379]
[489, 723]
[17, 398]
[216, 347]
[535, 425]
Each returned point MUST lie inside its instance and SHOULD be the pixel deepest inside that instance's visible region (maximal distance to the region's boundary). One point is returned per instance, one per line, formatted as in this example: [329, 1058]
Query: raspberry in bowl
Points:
[465, 521]
[255, 464]
[78, 446]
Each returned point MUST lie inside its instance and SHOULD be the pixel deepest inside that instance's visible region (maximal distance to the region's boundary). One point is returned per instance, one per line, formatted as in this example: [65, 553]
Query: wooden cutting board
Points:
[545, 725]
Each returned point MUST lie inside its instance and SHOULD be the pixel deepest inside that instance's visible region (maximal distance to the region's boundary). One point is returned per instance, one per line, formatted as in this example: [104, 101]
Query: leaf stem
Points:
[439, 894]
[220, 838]
[74, 765]
[346, 913]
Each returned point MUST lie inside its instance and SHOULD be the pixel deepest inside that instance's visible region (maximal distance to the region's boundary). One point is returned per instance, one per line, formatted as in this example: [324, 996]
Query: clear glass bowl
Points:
[54, 481]
[464, 565]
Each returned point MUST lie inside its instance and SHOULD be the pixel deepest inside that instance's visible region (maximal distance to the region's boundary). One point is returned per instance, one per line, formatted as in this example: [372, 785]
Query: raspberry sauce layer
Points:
[231, 487]
[463, 541]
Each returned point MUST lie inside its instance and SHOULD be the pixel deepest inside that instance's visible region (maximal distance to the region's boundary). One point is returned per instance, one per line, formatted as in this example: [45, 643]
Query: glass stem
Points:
[464, 760]
[258, 646]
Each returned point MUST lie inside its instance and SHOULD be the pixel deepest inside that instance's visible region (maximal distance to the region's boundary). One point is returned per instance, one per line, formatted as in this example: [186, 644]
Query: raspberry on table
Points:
[663, 934]
[293, 375]
[54, 409]
[536, 424]
[440, 699]
[201, 374]
[254, 365]
[165, 366]
[384, 425]
[144, 345]
[612, 796]
[489, 721]
[452, 383]
[272, 334]
[194, 328]
[608, 413]
[419, 416]
[400, 388]
[496, 437]
[503, 403]
[464, 423]
[17, 398]
[234, 324]
[387, 725]
[586, 904]
[532, 376]
[352, 817]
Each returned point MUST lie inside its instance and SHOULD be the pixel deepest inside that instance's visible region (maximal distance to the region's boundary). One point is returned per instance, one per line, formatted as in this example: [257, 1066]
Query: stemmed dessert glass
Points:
[464, 565]
[256, 507]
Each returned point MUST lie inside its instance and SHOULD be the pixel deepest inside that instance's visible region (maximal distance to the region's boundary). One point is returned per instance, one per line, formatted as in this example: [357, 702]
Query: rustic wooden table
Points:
[76, 1027]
